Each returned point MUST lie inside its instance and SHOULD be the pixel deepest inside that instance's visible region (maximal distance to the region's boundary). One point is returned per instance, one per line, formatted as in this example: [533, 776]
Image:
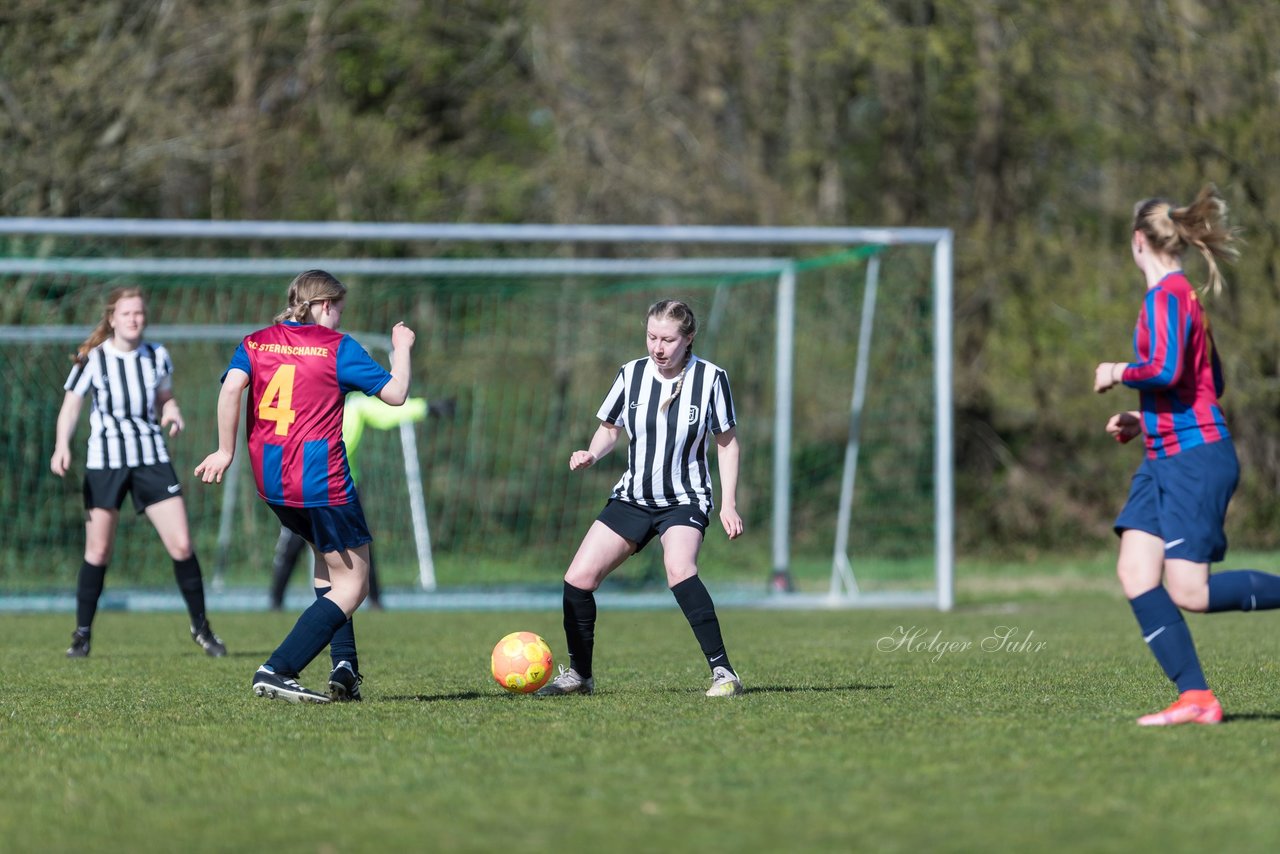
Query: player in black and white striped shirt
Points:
[671, 405]
[130, 385]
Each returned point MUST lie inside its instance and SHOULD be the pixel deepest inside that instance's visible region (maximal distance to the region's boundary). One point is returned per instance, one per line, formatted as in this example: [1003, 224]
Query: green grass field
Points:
[845, 740]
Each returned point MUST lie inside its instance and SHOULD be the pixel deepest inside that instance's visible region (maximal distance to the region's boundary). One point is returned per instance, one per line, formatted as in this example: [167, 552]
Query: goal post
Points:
[782, 262]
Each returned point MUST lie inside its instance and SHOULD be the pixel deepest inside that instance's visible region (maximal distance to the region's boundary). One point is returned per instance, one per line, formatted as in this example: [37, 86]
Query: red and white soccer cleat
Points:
[1191, 707]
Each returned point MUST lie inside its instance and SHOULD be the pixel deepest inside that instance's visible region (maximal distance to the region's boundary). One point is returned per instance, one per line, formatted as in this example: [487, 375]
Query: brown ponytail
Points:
[310, 287]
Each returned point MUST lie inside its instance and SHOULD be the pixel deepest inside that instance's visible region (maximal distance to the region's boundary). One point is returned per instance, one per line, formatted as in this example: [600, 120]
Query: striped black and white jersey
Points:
[667, 456]
[124, 430]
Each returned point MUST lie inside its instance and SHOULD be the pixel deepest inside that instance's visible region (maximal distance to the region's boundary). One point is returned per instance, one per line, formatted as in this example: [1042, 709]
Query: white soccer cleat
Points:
[568, 682]
[724, 683]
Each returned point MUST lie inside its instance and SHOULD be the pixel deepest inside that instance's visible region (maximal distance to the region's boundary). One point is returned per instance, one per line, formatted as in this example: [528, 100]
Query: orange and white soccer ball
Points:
[522, 662]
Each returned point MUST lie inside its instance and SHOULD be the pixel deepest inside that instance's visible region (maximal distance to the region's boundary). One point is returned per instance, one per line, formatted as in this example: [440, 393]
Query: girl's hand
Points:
[171, 417]
[402, 336]
[213, 467]
[1106, 375]
[1124, 426]
[581, 460]
[60, 462]
[731, 521]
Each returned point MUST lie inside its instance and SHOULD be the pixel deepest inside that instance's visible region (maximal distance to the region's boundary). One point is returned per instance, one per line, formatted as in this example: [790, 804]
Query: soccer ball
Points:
[521, 662]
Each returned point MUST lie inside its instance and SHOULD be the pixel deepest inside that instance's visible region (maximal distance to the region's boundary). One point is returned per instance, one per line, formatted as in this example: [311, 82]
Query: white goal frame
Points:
[844, 589]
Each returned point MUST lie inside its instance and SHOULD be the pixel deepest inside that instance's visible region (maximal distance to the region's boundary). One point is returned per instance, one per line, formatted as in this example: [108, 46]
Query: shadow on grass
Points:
[150, 655]
[437, 698]
[1251, 716]
[815, 689]
[760, 689]
[755, 689]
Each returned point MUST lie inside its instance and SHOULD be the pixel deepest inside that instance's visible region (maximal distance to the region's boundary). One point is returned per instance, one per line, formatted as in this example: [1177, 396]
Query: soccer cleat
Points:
[344, 684]
[1191, 707]
[568, 682]
[724, 683]
[209, 642]
[273, 686]
[79, 645]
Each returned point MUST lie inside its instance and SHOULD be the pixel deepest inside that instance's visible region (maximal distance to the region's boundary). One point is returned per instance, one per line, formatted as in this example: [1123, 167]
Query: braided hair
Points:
[307, 288]
[670, 309]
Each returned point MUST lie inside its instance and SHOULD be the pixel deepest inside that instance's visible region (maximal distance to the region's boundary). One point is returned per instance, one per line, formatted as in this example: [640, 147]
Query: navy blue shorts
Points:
[105, 488]
[329, 529]
[1183, 500]
[640, 524]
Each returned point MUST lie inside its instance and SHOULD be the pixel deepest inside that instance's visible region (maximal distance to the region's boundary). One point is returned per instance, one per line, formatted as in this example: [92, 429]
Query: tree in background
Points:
[1025, 128]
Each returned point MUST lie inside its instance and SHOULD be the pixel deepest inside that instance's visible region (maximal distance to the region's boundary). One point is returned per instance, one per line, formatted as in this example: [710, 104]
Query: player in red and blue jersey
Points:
[298, 372]
[1172, 525]
[1177, 373]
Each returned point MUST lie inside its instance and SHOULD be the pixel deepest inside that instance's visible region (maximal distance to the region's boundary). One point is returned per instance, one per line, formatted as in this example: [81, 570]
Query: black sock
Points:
[695, 601]
[311, 633]
[580, 627]
[343, 645]
[187, 573]
[88, 591]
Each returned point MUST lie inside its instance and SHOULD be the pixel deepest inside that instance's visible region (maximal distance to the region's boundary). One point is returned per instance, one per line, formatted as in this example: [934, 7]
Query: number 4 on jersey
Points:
[280, 390]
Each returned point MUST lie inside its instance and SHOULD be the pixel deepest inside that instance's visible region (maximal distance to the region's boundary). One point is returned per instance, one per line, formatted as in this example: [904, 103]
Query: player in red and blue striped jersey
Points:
[1177, 373]
[298, 372]
[1172, 525]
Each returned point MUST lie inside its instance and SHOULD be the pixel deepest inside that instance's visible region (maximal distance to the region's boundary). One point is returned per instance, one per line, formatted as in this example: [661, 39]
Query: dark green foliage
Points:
[1030, 129]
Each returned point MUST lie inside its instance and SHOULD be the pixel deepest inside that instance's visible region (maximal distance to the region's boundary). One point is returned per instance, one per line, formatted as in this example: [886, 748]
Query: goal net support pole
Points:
[842, 577]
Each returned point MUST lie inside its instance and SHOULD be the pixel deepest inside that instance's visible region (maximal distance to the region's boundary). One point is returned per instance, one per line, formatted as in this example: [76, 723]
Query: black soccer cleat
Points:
[79, 645]
[344, 684]
[273, 686]
[209, 642]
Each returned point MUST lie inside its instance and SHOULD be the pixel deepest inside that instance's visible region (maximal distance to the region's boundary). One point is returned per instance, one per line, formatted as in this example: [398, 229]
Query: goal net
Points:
[836, 342]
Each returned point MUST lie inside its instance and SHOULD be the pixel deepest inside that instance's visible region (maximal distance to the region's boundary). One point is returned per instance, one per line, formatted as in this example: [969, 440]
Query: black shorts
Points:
[330, 529]
[640, 524]
[105, 489]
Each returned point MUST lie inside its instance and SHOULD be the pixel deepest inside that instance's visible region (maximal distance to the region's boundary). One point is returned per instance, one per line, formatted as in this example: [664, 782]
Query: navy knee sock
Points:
[579, 627]
[312, 633]
[1169, 638]
[694, 600]
[1243, 590]
[343, 645]
[88, 591]
[191, 584]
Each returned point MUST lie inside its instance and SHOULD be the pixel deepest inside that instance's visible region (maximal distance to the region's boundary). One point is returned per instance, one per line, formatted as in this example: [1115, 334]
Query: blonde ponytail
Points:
[1201, 224]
